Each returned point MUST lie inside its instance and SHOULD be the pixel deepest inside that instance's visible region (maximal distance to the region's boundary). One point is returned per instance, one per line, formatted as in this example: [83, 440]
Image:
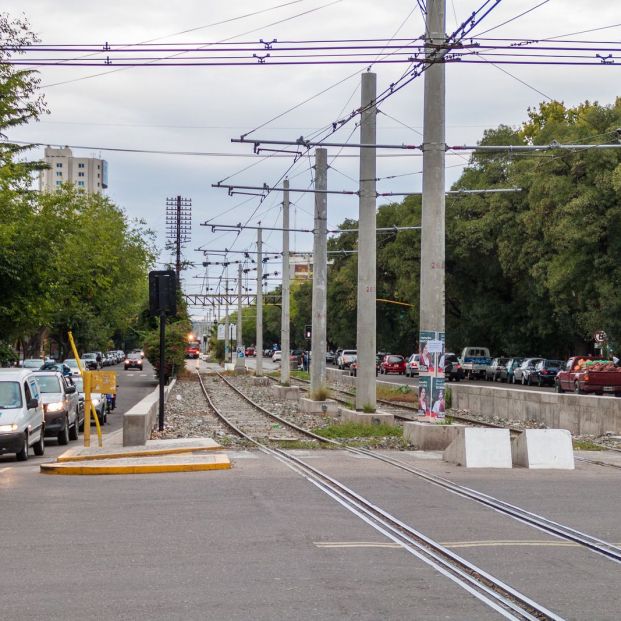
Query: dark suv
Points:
[133, 361]
[453, 371]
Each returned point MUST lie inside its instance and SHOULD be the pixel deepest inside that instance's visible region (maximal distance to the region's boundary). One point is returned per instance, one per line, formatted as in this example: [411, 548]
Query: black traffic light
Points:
[163, 292]
[308, 331]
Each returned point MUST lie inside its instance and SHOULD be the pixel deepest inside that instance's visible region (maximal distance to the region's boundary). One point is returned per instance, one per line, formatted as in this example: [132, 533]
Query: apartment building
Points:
[88, 174]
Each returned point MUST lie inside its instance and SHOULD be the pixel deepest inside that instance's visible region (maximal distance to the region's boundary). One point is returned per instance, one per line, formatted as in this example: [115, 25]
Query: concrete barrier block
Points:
[286, 393]
[476, 447]
[543, 448]
[261, 381]
[310, 406]
[430, 436]
[366, 418]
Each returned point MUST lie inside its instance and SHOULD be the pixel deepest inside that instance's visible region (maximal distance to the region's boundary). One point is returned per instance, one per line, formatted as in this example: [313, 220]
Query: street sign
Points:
[600, 336]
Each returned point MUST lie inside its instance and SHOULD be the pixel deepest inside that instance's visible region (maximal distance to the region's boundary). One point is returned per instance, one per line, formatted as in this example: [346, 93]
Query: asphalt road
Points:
[134, 385]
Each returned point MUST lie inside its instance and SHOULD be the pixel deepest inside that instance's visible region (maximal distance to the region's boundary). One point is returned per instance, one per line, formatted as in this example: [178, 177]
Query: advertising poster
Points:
[431, 374]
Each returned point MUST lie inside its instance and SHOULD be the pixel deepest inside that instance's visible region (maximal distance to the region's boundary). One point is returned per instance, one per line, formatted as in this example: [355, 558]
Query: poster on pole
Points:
[431, 374]
[221, 331]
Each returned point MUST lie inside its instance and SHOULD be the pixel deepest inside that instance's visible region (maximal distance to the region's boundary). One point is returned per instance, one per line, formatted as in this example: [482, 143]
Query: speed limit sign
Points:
[600, 336]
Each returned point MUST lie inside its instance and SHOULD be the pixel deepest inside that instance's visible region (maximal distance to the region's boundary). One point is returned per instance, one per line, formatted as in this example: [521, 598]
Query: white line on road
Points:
[5, 469]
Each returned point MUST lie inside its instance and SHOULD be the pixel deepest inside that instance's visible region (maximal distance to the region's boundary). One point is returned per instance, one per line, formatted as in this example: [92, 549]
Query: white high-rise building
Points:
[88, 174]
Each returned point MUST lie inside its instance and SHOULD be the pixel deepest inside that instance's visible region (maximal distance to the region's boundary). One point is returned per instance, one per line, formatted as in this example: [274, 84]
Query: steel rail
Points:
[499, 596]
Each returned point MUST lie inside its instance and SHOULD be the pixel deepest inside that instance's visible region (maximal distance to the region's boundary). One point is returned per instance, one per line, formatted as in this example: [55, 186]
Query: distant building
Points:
[301, 266]
[88, 174]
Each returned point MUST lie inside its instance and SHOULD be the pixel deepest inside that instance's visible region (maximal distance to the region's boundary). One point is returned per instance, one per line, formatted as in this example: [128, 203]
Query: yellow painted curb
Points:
[217, 462]
[146, 453]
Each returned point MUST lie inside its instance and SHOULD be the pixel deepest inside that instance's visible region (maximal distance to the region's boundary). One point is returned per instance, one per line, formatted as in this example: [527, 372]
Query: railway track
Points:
[499, 596]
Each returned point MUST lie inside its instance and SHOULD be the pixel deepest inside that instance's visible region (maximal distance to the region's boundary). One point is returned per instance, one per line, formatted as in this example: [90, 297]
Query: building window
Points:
[98, 175]
[81, 184]
[59, 174]
[59, 183]
[80, 174]
[81, 165]
[59, 165]
[98, 166]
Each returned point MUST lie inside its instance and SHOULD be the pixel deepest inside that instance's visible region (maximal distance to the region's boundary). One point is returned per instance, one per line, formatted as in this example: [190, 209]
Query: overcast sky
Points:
[201, 109]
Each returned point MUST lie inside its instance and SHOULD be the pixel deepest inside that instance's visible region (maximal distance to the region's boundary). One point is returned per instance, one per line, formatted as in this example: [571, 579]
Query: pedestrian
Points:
[305, 361]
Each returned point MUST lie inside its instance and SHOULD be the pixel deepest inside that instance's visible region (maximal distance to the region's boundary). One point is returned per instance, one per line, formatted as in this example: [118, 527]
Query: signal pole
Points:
[259, 365]
[226, 321]
[285, 342]
[432, 264]
[320, 274]
[240, 361]
[366, 320]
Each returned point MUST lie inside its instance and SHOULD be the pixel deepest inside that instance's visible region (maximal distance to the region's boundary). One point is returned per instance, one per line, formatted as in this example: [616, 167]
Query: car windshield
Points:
[48, 383]
[33, 363]
[553, 364]
[395, 359]
[134, 356]
[72, 363]
[10, 396]
[451, 358]
[89, 357]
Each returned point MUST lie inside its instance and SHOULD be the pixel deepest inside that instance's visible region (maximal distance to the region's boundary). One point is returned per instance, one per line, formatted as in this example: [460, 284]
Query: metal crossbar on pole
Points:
[240, 227]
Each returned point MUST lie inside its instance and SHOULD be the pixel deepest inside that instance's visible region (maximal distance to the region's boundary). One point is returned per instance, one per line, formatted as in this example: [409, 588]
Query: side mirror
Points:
[70, 390]
[33, 403]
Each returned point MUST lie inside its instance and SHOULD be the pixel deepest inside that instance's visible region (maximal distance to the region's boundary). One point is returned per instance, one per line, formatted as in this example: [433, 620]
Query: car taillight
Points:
[586, 377]
[458, 366]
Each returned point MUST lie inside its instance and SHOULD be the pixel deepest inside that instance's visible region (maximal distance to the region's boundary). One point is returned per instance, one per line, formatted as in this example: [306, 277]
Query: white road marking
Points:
[5, 469]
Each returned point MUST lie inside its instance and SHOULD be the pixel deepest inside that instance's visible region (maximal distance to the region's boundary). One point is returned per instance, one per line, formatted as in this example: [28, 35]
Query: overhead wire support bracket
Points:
[301, 141]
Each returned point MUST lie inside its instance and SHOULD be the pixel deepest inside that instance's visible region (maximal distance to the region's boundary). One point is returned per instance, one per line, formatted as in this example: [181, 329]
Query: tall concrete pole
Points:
[285, 342]
[432, 264]
[227, 345]
[239, 360]
[320, 275]
[259, 365]
[366, 326]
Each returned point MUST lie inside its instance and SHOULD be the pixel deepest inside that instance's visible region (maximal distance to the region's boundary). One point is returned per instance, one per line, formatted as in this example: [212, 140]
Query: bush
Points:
[174, 354]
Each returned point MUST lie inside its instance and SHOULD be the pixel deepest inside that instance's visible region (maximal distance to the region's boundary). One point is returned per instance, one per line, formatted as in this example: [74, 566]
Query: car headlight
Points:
[55, 407]
[5, 428]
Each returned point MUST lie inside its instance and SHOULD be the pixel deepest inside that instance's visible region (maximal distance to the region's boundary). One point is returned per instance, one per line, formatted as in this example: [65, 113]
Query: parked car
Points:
[330, 356]
[92, 363]
[346, 358]
[61, 406]
[506, 374]
[32, 363]
[353, 367]
[453, 371]
[250, 351]
[411, 366]
[22, 422]
[392, 364]
[277, 356]
[493, 371]
[98, 400]
[522, 374]
[72, 363]
[133, 361]
[545, 372]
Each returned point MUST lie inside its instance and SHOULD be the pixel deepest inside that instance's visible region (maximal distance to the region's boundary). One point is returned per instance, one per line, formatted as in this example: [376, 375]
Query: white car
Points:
[346, 357]
[277, 356]
[22, 422]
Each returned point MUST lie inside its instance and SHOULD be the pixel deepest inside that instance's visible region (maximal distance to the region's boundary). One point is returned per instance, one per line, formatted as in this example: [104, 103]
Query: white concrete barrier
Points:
[476, 447]
[543, 448]
[139, 421]
[430, 437]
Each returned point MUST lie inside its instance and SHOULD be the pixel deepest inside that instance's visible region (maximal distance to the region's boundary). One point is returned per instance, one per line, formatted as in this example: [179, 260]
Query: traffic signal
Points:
[308, 331]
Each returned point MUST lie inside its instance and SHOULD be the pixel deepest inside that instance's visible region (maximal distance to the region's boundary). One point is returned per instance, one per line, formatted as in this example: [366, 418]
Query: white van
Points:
[22, 423]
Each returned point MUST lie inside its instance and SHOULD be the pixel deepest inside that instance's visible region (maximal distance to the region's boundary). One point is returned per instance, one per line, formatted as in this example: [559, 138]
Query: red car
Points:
[392, 364]
[250, 351]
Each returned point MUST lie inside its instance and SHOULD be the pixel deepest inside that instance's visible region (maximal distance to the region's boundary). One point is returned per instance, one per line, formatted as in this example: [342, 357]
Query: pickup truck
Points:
[585, 374]
[474, 361]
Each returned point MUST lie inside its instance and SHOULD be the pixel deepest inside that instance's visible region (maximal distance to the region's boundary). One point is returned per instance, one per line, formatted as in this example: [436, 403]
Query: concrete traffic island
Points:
[310, 406]
[286, 393]
[183, 455]
[365, 418]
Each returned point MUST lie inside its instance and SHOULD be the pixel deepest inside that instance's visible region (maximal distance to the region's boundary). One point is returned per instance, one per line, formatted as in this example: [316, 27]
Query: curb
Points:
[138, 453]
[215, 462]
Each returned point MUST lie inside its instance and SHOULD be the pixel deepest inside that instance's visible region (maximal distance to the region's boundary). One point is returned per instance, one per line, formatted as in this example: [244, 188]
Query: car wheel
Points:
[74, 432]
[529, 381]
[558, 387]
[39, 447]
[577, 389]
[22, 455]
[539, 382]
[63, 434]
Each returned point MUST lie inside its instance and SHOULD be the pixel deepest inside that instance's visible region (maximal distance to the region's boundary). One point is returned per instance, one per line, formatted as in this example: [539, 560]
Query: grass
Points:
[403, 393]
[368, 409]
[321, 394]
[587, 445]
[303, 375]
[341, 431]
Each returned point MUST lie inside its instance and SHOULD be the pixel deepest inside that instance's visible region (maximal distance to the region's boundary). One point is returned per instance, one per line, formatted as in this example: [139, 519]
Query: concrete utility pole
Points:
[366, 325]
[320, 274]
[226, 321]
[240, 361]
[259, 365]
[285, 343]
[432, 263]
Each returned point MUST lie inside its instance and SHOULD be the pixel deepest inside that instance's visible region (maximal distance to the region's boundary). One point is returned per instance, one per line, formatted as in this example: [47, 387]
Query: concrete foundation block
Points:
[286, 393]
[366, 418]
[229, 366]
[261, 381]
[477, 447]
[543, 448]
[310, 406]
[430, 436]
